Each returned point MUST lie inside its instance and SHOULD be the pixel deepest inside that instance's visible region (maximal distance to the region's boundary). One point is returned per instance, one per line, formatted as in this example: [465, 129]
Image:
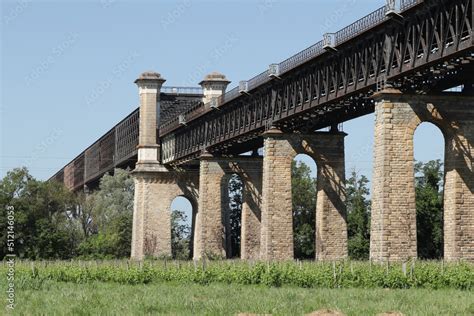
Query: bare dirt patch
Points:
[325, 312]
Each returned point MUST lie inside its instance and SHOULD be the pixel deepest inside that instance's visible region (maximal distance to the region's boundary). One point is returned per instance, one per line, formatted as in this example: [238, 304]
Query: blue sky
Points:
[67, 67]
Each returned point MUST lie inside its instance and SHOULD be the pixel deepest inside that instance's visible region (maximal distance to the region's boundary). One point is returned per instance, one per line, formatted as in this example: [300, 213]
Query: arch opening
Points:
[233, 216]
[303, 195]
[183, 216]
[429, 155]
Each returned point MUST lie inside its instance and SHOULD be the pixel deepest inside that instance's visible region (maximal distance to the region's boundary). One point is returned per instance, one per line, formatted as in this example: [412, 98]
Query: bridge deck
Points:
[118, 147]
[427, 48]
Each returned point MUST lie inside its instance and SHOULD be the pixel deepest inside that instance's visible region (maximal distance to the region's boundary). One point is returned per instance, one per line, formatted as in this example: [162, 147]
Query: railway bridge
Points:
[400, 62]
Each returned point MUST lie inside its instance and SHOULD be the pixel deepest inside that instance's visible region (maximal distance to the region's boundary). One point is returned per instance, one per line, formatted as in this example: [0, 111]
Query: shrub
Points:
[430, 275]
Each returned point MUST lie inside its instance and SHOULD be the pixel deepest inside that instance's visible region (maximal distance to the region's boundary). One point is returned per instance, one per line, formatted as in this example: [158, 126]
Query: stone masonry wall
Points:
[154, 193]
[148, 117]
[251, 209]
[327, 149]
[210, 238]
[393, 226]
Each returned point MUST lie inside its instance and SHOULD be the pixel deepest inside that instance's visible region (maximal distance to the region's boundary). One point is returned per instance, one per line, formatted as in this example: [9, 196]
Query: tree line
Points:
[50, 222]
[53, 223]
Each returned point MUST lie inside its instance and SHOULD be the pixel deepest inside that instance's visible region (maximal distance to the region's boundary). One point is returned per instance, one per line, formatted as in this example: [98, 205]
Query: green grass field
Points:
[55, 298]
[231, 287]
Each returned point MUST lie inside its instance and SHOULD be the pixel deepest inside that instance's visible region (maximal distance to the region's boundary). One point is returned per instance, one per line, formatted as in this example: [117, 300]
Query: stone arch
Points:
[327, 150]
[227, 169]
[428, 224]
[213, 201]
[393, 228]
[190, 215]
[437, 112]
[427, 113]
[422, 113]
[154, 193]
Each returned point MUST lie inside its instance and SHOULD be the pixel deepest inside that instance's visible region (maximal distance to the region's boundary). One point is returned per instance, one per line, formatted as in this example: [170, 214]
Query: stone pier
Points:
[393, 226]
[212, 238]
[267, 216]
[154, 193]
[327, 150]
[155, 185]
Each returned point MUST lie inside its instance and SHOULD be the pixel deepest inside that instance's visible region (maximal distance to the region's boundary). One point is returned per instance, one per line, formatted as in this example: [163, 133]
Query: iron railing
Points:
[229, 96]
[407, 4]
[355, 29]
[360, 26]
[258, 80]
[182, 90]
[302, 57]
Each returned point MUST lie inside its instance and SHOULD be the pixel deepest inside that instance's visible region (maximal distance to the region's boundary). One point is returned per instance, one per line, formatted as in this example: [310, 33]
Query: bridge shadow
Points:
[188, 184]
[249, 174]
[330, 167]
[456, 122]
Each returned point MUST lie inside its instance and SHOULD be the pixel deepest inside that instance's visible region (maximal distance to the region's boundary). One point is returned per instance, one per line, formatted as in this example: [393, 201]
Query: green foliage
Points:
[303, 191]
[180, 236]
[122, 226]
[53, 223]
[113, 199]
[358, 217]
[113, 244]
[210, 255]
[44, 227]
[106, 216]
[98, 246]
[430, 275]
[429, 209]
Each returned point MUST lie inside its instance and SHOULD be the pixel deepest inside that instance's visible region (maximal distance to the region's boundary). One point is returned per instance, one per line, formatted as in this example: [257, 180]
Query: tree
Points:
[303, 190]
[235, 214]
[358, 216]
[114, 198]
[53, 223]
[180, 236]
[13, 187]
[83, 213]
[106, 217]
[43, 225]
[429, 209]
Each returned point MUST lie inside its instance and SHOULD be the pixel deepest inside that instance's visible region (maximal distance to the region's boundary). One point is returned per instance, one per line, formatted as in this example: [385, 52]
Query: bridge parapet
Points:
[126, 138]
[182, 90]
[362, 25]
[357, 28]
